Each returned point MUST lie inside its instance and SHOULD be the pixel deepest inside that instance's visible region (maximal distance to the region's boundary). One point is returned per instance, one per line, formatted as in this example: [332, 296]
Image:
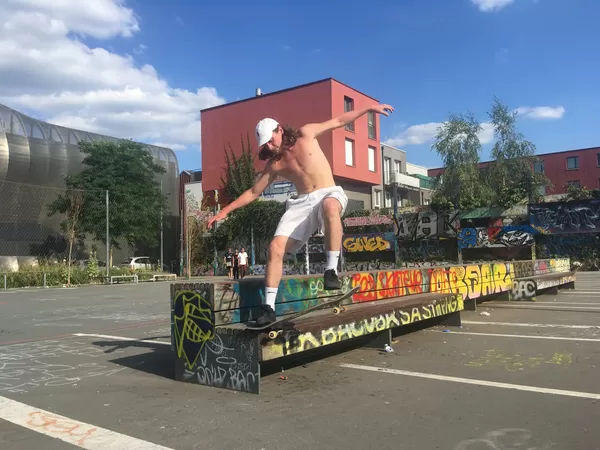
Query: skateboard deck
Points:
[275, 325]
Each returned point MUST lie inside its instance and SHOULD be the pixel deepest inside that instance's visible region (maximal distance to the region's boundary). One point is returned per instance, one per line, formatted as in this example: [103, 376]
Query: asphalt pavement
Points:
[92, 368]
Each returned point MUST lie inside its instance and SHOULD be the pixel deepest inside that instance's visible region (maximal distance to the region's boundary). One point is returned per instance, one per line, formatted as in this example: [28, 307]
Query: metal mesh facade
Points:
[40, 155]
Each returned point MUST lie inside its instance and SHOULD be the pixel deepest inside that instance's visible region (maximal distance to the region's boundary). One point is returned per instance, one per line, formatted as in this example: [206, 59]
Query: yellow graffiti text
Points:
[366, 244]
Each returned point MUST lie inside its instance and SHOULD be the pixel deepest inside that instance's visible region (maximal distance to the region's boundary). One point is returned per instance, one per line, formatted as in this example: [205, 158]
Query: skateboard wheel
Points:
[337, 310]
[343, 309]
[273, 334]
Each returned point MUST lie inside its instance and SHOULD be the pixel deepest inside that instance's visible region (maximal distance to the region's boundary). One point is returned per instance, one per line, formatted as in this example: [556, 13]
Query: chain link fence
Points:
[43, 228]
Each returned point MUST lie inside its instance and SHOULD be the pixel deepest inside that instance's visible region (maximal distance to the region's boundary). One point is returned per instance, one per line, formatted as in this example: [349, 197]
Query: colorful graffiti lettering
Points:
[472, 281]
[233, 302]
[507, 236]
[369, 242]
[387, 284]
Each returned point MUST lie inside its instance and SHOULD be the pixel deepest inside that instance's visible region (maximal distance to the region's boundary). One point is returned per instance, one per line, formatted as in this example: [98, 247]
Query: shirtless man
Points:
[296, 155]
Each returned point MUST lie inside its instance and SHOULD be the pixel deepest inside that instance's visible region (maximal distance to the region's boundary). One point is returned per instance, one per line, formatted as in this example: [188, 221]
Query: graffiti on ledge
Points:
[406, 315]
[473, 281]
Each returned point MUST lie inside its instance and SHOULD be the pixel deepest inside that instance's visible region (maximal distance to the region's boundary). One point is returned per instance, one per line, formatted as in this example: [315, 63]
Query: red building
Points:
[352, 151]
[579, 167]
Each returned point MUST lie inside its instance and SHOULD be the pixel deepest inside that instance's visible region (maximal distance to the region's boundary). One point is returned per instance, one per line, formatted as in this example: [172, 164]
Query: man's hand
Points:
[384, 109]
[221, 215]
[314, 130]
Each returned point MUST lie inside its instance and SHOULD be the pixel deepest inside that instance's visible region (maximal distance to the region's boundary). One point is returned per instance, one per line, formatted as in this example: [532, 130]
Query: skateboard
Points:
[275, 330]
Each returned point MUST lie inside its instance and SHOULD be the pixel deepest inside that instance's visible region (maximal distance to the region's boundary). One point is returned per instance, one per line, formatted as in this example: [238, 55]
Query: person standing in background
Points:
[243, 262]
[236, 267]
[228, 258]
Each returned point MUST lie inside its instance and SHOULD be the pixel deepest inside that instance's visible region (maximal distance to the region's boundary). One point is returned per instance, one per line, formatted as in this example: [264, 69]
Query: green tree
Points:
[511, 176]
[128, 172]
[71, 205]
[260, 217]
[457, 142]
[575, 192]
[240, 173]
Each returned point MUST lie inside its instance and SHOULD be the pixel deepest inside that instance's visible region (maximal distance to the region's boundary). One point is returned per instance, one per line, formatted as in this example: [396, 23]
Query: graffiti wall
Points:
[566, 218]
[373, 242]
[427, 224]
[373, 219]
[204, 355]
[506, 236]
[427, 250]
[575, 246]
[237, 302]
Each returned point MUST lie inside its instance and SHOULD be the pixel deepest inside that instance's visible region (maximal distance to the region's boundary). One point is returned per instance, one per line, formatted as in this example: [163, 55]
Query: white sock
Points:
[271, 295]
[332, 261]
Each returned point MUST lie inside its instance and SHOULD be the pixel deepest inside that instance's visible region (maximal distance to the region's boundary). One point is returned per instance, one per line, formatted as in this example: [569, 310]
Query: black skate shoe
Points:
[331, 280]
[265, 316]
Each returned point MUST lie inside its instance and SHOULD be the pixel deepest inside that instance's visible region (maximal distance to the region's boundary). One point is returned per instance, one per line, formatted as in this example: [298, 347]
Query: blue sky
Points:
[143, 69]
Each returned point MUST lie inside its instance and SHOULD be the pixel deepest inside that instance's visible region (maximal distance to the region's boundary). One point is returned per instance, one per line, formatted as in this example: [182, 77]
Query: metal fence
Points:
[33, 233]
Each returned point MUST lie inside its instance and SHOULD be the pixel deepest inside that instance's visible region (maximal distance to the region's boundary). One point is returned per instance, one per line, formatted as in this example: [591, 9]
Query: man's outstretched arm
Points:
[316, 129]
[266, 178]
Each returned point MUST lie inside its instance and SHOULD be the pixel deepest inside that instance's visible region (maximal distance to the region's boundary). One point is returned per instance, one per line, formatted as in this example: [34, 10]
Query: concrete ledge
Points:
[229, 357]
[528, 288]
[323, 328]
[213, 348]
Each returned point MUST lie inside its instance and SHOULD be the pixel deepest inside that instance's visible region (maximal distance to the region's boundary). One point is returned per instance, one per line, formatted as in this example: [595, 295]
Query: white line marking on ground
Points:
[517, 387]
[566, 303]
[533, 325]
[531, 305]
[121, 338]
[579, 292]
[80, 434]
[557, 338]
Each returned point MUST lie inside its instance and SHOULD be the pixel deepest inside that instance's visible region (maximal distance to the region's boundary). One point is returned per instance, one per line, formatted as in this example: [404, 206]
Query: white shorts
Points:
[304, 214]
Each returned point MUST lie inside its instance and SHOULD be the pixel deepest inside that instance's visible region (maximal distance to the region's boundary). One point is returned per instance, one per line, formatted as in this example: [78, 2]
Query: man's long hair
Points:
[288, 140]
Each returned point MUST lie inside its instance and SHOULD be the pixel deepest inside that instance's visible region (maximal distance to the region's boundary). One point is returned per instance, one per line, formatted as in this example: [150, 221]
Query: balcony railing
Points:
[402, 179]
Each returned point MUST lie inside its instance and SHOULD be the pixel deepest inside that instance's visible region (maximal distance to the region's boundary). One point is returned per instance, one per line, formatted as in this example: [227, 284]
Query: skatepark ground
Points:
[92, 366]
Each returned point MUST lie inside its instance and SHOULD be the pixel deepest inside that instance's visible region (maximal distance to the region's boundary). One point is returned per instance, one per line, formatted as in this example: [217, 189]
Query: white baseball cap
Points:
[264, 130]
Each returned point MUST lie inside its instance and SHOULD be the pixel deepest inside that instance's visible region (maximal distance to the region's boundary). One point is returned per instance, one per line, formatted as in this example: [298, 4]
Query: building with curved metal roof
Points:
[35, 155]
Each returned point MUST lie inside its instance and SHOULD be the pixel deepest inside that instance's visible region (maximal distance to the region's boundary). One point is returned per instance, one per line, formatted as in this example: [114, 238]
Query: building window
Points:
[349, 152]
[372, 159]
[387, 168]
[598, 159]
[349, 106]
[398, 166]
[388, 199]
[575, 183]
[377, 199]
[371, 122]
[538, 167]
[573, 162]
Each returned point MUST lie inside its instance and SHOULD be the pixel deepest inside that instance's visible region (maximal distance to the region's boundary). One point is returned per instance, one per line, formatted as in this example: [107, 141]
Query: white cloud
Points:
[486, 135]
[425, 133]
[541, 112]
[140, 49]
[46, 69]
[415, 134]
[491, 5]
